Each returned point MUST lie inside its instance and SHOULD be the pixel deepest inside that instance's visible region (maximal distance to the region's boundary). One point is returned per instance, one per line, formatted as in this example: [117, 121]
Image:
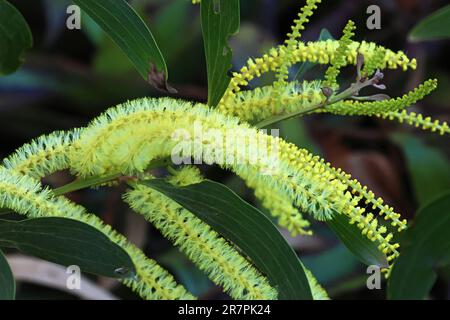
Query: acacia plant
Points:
[128, 141]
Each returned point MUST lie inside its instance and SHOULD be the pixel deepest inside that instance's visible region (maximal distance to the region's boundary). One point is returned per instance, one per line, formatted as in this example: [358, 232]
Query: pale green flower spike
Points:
[417, 120]
[26, 196]
[42, 156]
[185, 176]
[291, 42]
[128, 137]
[360, 108]
[210, 252]
[339, 59]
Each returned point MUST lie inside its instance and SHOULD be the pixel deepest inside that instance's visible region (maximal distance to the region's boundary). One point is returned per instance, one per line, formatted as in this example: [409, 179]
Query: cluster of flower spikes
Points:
[49, 154]
[111, 144]
[285, 98]
[55, 152]
[202, 245]
[25, 195]
[303, 181]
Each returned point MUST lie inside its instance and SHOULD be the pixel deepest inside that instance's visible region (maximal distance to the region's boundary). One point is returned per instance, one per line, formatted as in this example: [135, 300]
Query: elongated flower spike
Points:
[339, 59]
[185, 176]
[312, 186]
[26, 196]
[371, 108]
[291, 41]
[210, 252]
[42, 156]
[417, 120]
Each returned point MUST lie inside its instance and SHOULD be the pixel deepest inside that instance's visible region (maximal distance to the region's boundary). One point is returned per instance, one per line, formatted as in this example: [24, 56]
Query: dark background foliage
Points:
[71, 76]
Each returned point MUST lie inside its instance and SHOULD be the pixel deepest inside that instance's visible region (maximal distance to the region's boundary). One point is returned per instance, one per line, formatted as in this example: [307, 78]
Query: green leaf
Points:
[427, 249]
[67, 242]
[364, 250]
[7, 283]
[15, 38]
[220, 19]
[306, 66]
[434, 27]
[246, 227]
[428, 167]
[121, 22]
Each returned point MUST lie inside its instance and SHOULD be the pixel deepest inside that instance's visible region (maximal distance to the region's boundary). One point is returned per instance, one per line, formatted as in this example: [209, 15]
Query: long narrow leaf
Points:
[427, 249]
[363, 249]
[15, 38]
[67, 242]
[7, 283]
[119, 20]
[220, 20]
[246, 227]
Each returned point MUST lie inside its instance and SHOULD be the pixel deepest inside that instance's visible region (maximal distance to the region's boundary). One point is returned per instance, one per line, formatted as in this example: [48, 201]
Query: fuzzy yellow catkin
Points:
[42, 156]
[26, 196]
[185, 176]
[126, 138]
[291, 42]
[210, 252]
[260, 103]
[49, 154]
[339, 58]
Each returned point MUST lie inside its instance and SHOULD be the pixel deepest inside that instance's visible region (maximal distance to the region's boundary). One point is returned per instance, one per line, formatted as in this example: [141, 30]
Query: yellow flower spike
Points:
[416, 120]
[42, 156]
[210, 252]
[26, 196]
[339, 58]
[291, 42]
[185, 176]
[261, 103]
[280, 206]
[372, 64]
[347, 203]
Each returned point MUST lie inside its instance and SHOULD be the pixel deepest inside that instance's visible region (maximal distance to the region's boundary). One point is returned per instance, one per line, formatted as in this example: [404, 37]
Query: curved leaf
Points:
[428, 167]
[67, 242]
[7, 283]
[246, 227]
[121, 22]
[428, 248]
[363, 249]
[15, 38]
[435, 26]
[220, 20]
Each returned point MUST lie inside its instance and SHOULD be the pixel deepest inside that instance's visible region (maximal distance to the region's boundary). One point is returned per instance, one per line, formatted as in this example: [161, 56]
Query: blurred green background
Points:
[72, 75]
